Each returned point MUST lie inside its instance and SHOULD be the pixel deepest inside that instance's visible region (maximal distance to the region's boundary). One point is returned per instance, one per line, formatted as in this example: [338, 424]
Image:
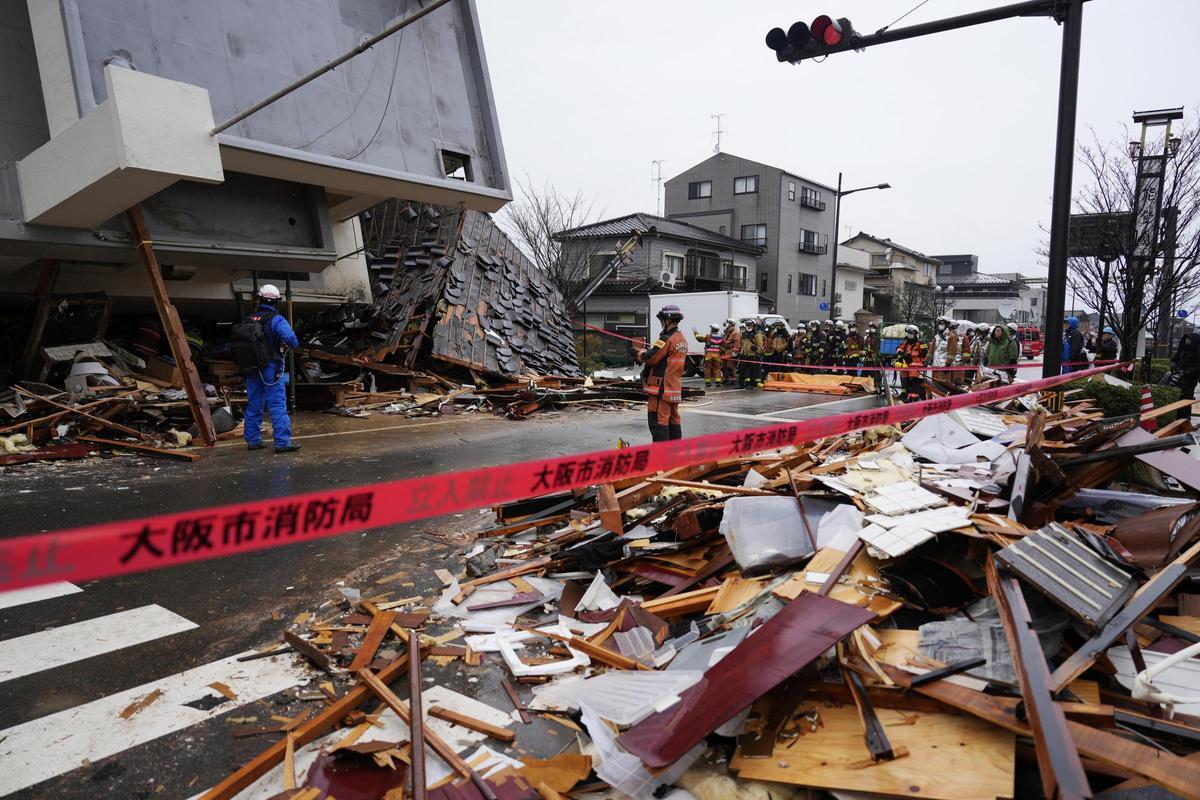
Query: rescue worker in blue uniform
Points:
[267, 387]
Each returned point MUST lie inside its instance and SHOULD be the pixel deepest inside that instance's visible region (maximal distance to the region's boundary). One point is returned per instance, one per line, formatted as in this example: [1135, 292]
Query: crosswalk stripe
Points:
[33, 594]
[49, 746]
[35, 652]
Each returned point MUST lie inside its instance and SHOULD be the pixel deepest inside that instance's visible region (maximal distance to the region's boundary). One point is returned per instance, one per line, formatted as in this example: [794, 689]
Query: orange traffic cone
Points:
[1148, 406]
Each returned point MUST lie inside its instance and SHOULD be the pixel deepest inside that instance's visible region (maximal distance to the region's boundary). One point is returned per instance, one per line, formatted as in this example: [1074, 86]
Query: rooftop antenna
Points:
[718, 132]
[656, 179]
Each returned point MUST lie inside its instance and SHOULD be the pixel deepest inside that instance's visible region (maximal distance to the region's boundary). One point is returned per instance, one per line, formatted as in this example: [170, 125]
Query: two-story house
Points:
[895, 272]
[679, 258]
[987, 297]
[789, 216]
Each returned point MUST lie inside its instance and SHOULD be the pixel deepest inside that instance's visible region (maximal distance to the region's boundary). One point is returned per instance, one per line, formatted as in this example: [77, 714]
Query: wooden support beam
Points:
[378, 629]
[477, 725]
[173, 329]
[439, 745]
[310, 731]
[41, 296]
[159, 452]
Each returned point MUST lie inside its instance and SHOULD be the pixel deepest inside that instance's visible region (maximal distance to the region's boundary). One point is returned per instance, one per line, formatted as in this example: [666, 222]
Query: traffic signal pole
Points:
[1071, 17]
[824, 38]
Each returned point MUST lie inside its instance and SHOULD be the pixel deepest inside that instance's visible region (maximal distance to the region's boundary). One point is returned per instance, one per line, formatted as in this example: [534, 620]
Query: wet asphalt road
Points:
[245, 601]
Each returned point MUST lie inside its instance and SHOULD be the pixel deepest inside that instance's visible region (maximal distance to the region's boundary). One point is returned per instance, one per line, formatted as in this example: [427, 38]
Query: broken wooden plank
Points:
[471, 723]
[160, 452]
[375, 635]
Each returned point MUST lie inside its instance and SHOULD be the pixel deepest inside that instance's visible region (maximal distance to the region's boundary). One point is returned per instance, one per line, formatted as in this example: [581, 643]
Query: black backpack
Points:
[249, 345]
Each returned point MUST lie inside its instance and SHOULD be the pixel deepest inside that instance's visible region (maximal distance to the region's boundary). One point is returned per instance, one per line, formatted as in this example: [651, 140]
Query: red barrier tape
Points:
[788, 365]
[164, 540]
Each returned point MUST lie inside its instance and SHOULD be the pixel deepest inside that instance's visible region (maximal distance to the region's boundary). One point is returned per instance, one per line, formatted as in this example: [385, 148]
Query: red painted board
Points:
[789, 641]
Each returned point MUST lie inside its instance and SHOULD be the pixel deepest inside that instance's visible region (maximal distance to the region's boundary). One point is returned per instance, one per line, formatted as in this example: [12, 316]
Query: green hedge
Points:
[1117, 401]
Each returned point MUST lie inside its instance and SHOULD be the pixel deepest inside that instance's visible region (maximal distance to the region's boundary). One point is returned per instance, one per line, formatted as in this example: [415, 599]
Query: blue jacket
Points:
[279, 335]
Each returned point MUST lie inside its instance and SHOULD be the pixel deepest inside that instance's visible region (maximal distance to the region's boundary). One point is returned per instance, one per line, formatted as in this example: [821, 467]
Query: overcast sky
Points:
[961, 124]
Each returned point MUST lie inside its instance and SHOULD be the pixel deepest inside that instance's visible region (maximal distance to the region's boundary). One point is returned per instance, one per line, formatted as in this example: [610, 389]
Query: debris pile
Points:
[103, 397]
[995, 602]
[459, 313]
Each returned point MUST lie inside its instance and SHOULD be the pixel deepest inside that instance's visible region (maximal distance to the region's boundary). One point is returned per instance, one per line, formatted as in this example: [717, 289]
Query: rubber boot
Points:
[658, 433]
[676, 431]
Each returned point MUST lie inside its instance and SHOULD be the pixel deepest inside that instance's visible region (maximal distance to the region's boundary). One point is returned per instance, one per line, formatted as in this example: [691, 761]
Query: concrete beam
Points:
[148, 134]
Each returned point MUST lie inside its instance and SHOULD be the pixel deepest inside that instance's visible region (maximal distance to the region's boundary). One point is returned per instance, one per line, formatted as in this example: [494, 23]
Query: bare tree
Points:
[913, 303]
[1140, 289]
[537, 217]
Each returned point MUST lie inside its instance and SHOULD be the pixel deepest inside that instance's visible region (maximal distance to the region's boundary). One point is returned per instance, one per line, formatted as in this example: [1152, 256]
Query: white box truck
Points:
[701, 309]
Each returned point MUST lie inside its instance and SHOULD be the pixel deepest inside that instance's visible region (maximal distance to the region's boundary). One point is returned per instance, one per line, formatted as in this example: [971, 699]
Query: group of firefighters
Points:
[740, 355]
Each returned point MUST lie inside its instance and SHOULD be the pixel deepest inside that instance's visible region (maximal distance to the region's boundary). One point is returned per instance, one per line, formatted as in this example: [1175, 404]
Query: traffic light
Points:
[802, 41]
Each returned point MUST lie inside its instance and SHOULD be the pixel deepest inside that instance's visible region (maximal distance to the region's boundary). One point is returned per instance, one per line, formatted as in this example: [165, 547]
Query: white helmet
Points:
[268, 291]
[952, 324]
[814, 323]
[841, 326]
[730, 323]
[714, 328]
[983, 327]
[911, 330]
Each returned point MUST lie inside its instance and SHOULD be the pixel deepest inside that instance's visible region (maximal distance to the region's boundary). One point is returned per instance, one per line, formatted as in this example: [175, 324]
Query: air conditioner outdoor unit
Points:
[667, 278]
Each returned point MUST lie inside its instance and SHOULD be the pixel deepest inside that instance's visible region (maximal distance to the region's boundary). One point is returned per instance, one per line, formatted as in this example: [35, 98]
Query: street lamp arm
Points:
[864, 188]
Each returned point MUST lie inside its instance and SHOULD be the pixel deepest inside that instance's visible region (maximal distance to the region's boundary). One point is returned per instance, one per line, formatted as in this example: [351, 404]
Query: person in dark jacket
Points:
[1186, 361]
[1107, 348]
[1072, 346]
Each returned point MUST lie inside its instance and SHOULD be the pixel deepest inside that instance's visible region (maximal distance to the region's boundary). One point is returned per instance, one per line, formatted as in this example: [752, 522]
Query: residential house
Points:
[789, 216]
[900, 280]
[853, 267]
[967, 293]
[680, 258]
[107, 109]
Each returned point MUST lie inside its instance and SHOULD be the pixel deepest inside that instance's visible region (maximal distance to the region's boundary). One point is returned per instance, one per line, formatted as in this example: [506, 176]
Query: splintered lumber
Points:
[310, 731]
[716, 487]
[593, 651]
[181, 351]
[380, 624]
[1180, 775]
[683, 603]
[471, 723]
[308, 650]
[951, 757]
[99, 420]
[439, 745]
[520, 569]
[610, 509]
[416, 725]
[1058, 760]
[160, 452]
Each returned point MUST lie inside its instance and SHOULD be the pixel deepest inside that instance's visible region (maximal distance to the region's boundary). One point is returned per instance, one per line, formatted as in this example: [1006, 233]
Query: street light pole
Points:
[837, 216]
[1060, 214]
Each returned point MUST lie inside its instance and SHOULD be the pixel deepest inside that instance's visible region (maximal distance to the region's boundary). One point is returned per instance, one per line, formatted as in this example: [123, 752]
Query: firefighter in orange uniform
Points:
[662, 376]
[912, 353]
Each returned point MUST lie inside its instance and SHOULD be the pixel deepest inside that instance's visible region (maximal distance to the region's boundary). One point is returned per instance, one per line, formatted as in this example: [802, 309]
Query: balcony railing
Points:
[815, 247]
[812, 201]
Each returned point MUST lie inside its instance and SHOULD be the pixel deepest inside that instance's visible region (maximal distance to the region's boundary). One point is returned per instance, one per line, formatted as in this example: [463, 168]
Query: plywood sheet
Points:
[950, 757]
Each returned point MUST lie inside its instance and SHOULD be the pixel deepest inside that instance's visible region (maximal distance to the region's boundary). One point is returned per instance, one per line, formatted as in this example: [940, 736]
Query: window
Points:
[456, 166]
[762, 282]
[813, 242]
[851, 285]
[812, 199]
[598, 261]
[755, 234]
[879, 260]
[928, 270]
[944, 268]
[673, 264]
[745, 185]
[791, 190]
[822, 287]
[698, 190]
[721, 229]
[734, 273]
[789, 284]
[808, 284]
[1033, 302]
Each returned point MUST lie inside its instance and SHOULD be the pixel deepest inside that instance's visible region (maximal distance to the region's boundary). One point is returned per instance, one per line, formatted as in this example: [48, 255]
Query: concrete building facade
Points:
[113, 103]
[891, 267]
[978, 296]
[789, 216]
